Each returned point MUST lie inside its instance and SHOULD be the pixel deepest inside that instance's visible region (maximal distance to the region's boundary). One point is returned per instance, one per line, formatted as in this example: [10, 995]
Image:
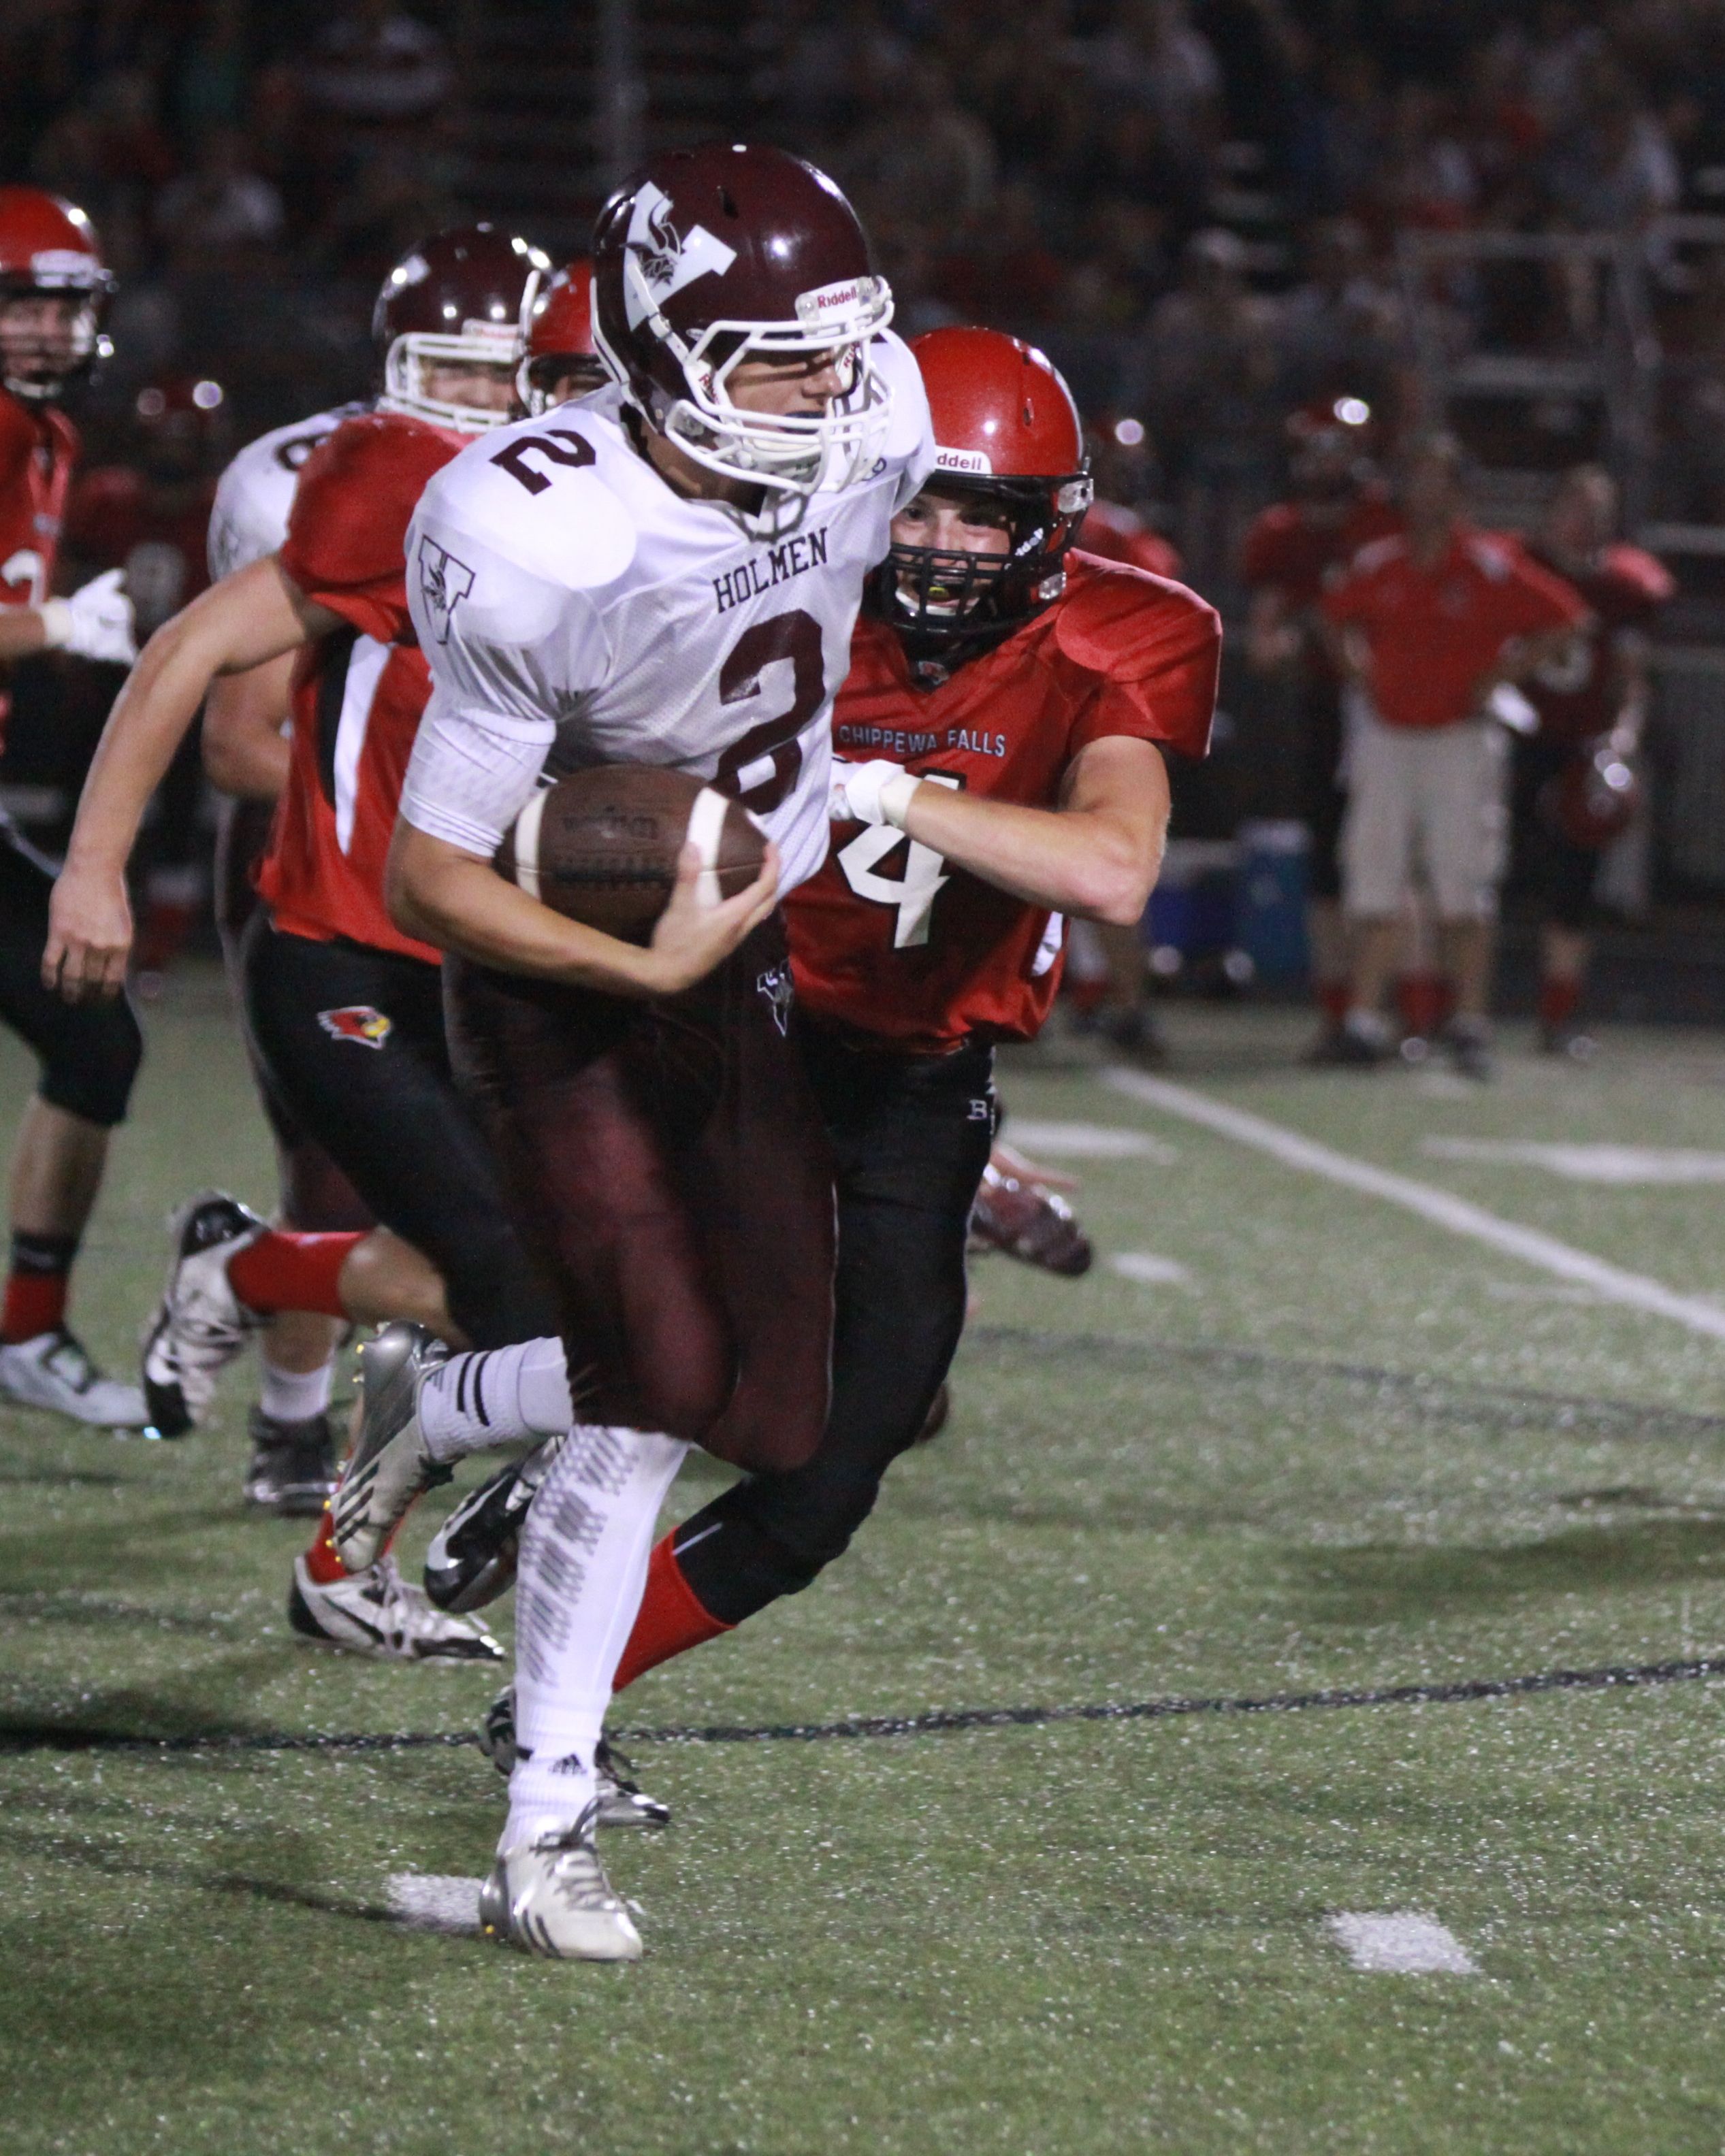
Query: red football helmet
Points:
[1006, 431]
[48, 250]
[458, 298]
[559, 340]
[709, 254]
[1595, 799]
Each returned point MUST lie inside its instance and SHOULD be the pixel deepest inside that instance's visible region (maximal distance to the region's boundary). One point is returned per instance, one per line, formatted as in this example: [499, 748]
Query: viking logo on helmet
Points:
[363, 1024]
[668, 260]
[444, 583]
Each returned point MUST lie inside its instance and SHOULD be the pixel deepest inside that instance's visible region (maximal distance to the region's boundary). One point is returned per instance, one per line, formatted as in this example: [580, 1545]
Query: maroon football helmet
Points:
[558, 340]
[48, 250]
[460, 296]
[709, 254]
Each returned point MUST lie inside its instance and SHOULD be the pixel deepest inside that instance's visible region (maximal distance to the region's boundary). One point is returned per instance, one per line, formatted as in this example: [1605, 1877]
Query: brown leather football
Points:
[600, 846]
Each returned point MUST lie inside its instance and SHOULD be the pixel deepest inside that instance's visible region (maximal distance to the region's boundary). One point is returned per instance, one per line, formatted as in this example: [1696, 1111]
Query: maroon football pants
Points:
[669, 1170]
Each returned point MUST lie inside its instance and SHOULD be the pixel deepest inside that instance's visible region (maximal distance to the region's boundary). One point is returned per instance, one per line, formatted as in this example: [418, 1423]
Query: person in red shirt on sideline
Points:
[54, 292]
[1291, 549]
[1426, 626]
[1591, 704]
[149, 517]
[999, 742]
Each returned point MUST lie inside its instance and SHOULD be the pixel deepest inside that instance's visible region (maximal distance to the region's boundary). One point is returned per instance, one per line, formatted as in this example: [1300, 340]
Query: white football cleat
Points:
[376, 1613]
[200, 1324]
[389, 1466]
[551, 1897]
[54, 1371]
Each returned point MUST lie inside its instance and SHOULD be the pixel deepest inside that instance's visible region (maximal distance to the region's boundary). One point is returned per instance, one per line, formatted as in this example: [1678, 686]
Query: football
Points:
[600, 846]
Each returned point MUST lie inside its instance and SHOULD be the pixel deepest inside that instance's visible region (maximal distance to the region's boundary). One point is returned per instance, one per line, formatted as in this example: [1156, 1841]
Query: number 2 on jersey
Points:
[912, 895]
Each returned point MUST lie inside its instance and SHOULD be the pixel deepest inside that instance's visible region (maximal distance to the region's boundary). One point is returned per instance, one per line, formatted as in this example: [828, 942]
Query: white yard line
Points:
[1086, 1141]
[1400, 1942]
[433, 1901]
[1631, 1291]
[1148, 1270]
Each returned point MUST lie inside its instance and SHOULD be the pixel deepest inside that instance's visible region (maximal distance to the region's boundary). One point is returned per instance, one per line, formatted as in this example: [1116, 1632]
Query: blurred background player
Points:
[1426, 625]
[1575, 783]
[344, 1012]
[54, 292]
[559, 361]
[148, 516]
[1336, 505]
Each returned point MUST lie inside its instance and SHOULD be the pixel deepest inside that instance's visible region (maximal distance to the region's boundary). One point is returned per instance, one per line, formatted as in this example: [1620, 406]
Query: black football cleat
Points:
[471, 1559]
[292, 1469]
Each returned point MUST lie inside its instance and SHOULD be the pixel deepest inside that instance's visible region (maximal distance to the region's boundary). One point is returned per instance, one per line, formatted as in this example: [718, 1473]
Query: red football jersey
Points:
[887, 937]
[1285, 547]
[1430, 634]
[163, 546]
[359, 693]
[1576, 696]
[39, 447]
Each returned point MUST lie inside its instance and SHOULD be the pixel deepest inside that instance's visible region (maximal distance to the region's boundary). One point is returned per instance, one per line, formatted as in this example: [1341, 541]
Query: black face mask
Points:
[949, 607]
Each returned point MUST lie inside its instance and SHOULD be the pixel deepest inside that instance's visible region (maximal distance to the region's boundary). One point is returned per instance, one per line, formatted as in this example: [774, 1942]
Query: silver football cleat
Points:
[389, 1466]
[551, 1897]
[376, 1613]
[200, 1325]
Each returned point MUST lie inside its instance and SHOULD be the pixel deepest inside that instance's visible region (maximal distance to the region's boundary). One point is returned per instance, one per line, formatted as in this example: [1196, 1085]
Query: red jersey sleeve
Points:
[348, 531]
[1640, 584]
[1532, 599]
[1157, 648]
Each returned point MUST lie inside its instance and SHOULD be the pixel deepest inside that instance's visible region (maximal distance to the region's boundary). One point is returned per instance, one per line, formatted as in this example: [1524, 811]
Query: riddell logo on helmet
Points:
[962, 460]
[363, 1024]
[828, 299]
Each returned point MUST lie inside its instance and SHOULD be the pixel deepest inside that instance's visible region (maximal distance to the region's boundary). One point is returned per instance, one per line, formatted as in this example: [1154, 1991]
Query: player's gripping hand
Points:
[96, 623]
[690, 937]
[88, 934]
[875, 792]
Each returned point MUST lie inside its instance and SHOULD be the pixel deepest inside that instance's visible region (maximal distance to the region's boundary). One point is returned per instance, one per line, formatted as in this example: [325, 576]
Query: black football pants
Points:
[911, 1137]
[349, 1041]
[89, 1053]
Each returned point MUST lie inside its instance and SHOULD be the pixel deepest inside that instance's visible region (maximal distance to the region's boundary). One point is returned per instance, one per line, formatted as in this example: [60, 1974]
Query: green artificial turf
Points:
[1337, 1449]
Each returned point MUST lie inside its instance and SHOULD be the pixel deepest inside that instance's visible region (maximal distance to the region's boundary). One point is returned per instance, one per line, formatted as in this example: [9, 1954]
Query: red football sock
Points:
[322, 1563]
[1334, 1000]
[1558, 1000]
[1422, 999]
[36, 1286]
[670, 1619]
[283, 1270]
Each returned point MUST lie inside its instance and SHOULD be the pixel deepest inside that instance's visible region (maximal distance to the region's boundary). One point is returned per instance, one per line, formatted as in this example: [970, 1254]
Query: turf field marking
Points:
[1088, 1142]
[1588, 1163]
[1400, 1942]
[434, 1902]
[56, 1737]
[1151, 1271]
[1632, 1290]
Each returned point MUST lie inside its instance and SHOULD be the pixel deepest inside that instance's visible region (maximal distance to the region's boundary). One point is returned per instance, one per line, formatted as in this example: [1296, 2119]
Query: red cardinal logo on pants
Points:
[362, 1023]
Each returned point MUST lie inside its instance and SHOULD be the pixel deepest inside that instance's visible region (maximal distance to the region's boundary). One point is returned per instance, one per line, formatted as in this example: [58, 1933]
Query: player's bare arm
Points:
[1095, 856]
[459, 902]
[251, 616]
[246, 716]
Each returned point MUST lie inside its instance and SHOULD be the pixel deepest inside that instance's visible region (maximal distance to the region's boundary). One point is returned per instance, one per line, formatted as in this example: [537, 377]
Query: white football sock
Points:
[496, 1396]
[579, 1586]
[295, 1395]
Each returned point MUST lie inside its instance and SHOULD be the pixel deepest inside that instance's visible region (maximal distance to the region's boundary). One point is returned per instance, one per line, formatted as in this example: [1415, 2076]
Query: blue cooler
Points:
[1269, 918]
[1191, 908]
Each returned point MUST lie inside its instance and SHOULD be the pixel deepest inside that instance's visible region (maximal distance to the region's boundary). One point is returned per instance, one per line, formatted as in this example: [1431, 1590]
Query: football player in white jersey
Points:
[291, 1470]
[667, 572]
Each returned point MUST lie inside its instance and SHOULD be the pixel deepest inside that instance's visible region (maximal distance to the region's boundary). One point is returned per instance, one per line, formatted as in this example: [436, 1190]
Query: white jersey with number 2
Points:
[560, 587]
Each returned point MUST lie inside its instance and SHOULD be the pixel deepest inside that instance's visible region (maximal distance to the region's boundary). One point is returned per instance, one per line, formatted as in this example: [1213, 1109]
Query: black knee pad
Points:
[90, 1061]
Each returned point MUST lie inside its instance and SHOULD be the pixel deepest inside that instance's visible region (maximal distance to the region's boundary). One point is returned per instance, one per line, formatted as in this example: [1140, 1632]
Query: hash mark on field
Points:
[1088, 1142]
[1149, 1270]
[1441, 1208]
[1629, 1165]
[434, 1902]
[1400, 1942]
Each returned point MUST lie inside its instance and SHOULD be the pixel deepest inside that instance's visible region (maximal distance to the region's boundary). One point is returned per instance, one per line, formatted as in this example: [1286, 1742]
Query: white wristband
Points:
[895, 799]
[56, 622]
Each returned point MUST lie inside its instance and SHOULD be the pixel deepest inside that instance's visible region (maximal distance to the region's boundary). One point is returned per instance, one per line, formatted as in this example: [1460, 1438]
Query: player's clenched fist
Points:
[88, 934]
[693, 936]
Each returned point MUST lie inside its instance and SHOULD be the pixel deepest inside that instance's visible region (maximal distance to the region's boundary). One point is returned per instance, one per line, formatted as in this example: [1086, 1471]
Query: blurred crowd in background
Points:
[1212, 213]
